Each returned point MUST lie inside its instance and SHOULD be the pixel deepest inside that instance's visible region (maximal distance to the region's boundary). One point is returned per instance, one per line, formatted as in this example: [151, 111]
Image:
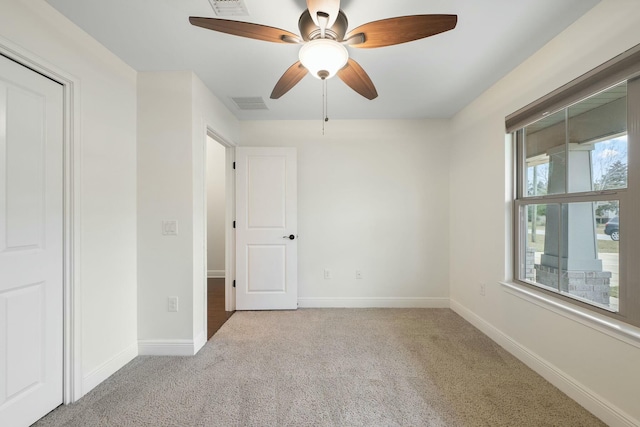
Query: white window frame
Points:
[625, 67]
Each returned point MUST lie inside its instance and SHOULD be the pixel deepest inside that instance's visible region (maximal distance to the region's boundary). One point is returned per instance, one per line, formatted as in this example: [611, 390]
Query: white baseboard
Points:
[356, 302]
[586, 397]
[167, 347]
[108, 368]
[215, 274]
[199, 342]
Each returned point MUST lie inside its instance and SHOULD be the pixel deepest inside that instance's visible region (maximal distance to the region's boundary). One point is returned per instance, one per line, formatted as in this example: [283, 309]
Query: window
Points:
[577, 190]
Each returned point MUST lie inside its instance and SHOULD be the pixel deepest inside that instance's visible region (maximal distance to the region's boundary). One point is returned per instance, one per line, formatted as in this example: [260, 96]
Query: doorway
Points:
[218, 198]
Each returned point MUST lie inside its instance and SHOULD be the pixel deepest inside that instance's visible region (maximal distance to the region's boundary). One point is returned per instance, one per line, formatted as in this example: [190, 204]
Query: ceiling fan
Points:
[323, 27]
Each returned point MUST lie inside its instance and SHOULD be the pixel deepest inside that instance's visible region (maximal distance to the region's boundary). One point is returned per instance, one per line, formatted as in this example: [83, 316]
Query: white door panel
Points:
[31, 233]
[266, 265]
[266, 215]
[266, 192]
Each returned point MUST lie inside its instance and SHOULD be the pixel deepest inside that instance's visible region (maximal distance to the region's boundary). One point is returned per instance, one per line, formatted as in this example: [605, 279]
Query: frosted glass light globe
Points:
[323, 57]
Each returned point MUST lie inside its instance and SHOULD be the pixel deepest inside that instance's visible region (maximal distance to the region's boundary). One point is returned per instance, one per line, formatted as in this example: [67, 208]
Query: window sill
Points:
[611, 327]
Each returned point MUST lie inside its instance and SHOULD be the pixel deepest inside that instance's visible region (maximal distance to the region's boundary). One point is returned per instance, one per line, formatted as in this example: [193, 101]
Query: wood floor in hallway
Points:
[216, 315]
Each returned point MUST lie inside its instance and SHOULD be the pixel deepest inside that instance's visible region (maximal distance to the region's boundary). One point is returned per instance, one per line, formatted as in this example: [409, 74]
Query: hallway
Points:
[216, 316]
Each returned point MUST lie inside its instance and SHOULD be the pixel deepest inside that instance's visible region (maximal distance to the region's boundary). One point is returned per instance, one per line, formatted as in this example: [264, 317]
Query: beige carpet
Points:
[331, 367]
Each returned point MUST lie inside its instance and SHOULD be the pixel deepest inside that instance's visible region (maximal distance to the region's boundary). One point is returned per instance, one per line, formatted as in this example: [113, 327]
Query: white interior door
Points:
[31, 245]
[266, 229]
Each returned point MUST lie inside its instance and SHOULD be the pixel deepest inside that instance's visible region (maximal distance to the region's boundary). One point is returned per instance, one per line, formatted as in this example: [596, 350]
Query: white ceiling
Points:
[429, 78]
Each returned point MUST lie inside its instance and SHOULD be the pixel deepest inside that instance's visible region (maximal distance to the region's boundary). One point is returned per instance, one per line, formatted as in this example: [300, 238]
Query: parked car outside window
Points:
[612, 228]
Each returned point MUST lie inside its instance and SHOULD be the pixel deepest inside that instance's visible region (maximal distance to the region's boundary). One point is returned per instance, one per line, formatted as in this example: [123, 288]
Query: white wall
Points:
[216, 160]
[599, 370]
[107, 146]
[175, 110]
[164, 194]
[372, 195]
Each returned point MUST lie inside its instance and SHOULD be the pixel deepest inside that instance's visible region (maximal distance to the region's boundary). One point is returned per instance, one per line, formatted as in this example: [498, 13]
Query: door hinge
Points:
[234, 224]
[234, 165]
[234, 283]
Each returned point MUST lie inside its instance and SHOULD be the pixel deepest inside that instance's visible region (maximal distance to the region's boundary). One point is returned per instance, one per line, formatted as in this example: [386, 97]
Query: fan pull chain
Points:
[324, 104]
[326, 101]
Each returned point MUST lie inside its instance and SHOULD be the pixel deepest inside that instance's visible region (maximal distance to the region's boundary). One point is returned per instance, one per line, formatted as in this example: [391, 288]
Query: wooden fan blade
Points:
[246, 29]
[402, 29]
[357, 79]
[330, 7]
[289, 79]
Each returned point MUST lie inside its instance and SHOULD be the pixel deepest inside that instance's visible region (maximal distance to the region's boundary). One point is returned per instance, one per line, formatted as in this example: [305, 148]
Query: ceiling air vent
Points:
[229, 7]
[250, 103]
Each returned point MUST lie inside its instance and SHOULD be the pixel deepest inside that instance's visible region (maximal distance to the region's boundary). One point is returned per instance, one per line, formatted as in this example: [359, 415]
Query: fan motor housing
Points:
[310, 31]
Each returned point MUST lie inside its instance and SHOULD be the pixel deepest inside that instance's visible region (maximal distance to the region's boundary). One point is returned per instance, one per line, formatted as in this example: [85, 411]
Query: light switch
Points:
[169, 228]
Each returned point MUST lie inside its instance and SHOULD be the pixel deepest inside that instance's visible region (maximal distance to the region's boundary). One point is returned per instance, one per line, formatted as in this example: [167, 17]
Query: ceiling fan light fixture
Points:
[323, 57]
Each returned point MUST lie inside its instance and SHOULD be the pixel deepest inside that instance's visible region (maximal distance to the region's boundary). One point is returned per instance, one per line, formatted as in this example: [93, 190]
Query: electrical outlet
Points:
[482, 289]
[172, 305]
[328, 274]
[358, 274]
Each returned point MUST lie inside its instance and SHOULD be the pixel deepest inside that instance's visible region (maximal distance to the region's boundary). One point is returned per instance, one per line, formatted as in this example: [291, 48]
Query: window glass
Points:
[568, 250]
[610, 164]
[589, 267]
[597, 127]
[544, 149]
[571, 246]
[536, 243]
